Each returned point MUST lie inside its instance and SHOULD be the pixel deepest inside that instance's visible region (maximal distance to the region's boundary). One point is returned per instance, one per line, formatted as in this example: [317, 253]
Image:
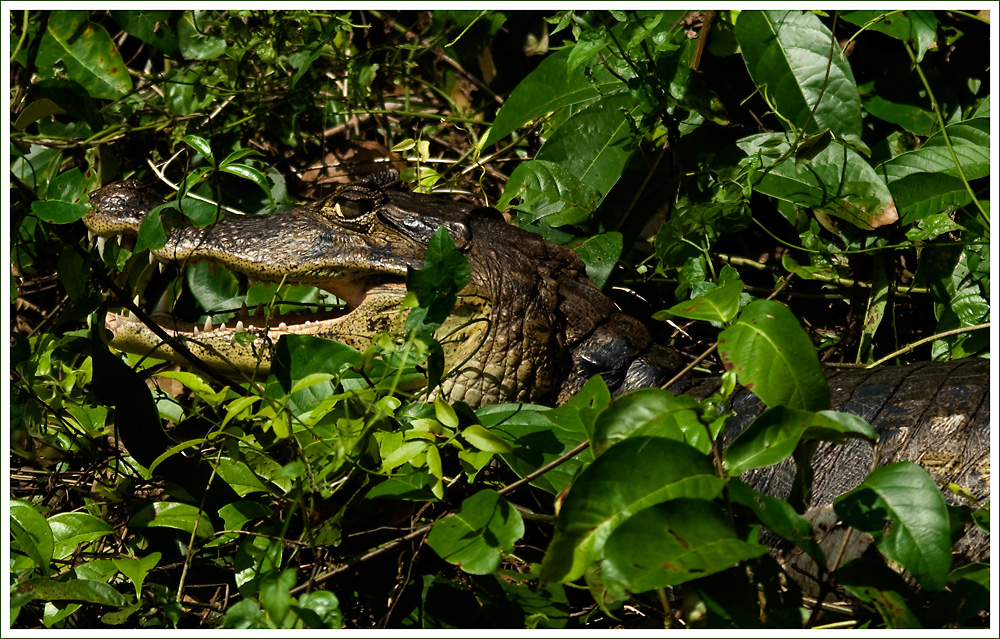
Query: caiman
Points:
[529, 327]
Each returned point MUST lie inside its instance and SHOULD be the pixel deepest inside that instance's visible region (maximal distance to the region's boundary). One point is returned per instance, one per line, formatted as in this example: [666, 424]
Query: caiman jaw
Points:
[246, 344]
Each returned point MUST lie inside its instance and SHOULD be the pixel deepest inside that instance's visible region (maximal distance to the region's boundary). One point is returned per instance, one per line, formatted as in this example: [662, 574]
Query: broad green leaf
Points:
[651, 412]
[773, 357]
[774, 435]
[537, 441]
[30, 533]
[788, 54]
[248, 173]
[298, 356]
[485, 440]
[596, 143]
[550, 193]
[168, 514]
[72, 529]
[84, 590]
[137, 569]
[152, 235]
[834, 179]
[320, 609]
[404, 453]
[630, 476]
[921, 195]
[675, 542]
[717, 305]
[65, 199]
[970, 140]
[87, 54]
[196, 41]
[549, 87]
[901, 506]
[479, 534]
[238, 475]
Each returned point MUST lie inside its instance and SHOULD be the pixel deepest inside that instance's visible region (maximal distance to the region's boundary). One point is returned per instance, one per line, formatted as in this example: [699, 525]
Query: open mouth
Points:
[244, 340]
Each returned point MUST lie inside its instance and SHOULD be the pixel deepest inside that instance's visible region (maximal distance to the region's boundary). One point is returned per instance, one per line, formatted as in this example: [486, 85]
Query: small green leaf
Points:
[600, 254]
[773, 357]
[903, 509]
[485, 440]
[87, 53]
[72, 529]
[651, 412]
[167, 514]
[475, 538]
[249, 173]
[773, 436]
[675, 542]
[717, 305]
[634, 474]
[137, 569]
[65, 199]
[201, 145]
[31, 534]
[84, 590]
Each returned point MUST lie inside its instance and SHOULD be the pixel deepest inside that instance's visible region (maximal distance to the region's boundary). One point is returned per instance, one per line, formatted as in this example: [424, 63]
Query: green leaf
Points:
[774, 435]
[901, 506]
[834, 179]
[475, 538]
[198, 386]
[773, 357]
[85, 52]
[298, 356]
[672, 543]
[410, 486]
[136, 570]
[30, 533]
[912, 26]
[168, 514]
[549, 87]
[969, 139]
[84, 590]
[323, 610]
[249, 173]
[651, 412]
[275, 594]
[152, 235]
[596, 143]
[485, 440]
[65, 199]
[550, 193]
[600, 254]
[630, 476]
[717, 305]
[72, 529]
[201, 145]
[788, 54]
[195, 42]
[152, 27]
[876, 584]
[921, 195]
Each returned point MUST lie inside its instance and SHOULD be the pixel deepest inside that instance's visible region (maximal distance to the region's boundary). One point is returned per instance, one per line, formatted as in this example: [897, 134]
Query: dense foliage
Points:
[734, 174]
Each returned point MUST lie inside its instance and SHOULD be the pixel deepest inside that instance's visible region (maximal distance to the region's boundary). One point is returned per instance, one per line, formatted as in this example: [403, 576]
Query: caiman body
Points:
[529, 327]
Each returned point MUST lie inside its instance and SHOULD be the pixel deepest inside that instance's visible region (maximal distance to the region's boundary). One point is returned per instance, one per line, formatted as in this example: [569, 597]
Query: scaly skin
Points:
[530, 326]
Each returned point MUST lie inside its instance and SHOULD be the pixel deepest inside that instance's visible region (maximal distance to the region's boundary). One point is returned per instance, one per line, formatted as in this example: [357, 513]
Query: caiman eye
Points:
[351, 209]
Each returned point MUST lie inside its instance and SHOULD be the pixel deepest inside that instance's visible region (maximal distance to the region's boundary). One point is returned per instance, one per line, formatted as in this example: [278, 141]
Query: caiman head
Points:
[529, 326]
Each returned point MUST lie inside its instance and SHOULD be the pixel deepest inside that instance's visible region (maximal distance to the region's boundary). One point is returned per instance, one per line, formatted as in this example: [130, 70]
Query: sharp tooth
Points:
[135, 300]
[308, 322]
[151, 258]
[119, 238]
[100, 245]
[90, 321]
[196, 331]
[239, 326]
[259, 310]
[252, 280]
[162, 266]
[244, 311]
[208, 325]
[163, 305]
[282, 327]
[222, 326]
[90, 236]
